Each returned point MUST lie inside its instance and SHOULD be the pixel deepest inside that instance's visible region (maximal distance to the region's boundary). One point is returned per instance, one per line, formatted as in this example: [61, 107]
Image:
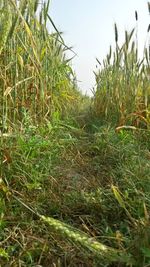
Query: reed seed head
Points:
[136, 15]
[148, 3]
[116, 33]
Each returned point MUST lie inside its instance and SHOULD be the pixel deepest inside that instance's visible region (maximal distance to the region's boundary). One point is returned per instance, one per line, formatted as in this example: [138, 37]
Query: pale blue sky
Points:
[88, 26]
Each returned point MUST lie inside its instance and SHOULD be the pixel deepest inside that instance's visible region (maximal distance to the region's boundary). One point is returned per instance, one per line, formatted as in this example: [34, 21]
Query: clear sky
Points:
[88, 26]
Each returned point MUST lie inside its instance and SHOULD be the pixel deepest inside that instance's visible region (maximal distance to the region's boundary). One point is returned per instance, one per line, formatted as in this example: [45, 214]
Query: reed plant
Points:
[73, 192]
[122, 94]
[35, 75]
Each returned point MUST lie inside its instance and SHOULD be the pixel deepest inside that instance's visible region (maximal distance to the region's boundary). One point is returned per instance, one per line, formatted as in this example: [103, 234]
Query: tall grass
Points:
[35, 76]
[69, 195]
[122, 83]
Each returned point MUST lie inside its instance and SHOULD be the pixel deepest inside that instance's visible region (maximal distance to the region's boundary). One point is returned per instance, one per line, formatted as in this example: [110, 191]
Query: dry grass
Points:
[74, 191]
[123, 92]
[35, 77]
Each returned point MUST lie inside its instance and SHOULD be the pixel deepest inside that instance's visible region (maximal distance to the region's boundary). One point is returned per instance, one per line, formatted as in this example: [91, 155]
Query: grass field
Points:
[74, 170]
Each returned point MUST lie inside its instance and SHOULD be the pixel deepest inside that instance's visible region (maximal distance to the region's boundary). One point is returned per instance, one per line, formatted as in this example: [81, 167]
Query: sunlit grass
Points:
[74, 188]
[35, 76]
[122, 83]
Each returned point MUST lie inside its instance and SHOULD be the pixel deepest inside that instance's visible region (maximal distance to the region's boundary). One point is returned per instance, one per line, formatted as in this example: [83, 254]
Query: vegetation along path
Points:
[74, 170]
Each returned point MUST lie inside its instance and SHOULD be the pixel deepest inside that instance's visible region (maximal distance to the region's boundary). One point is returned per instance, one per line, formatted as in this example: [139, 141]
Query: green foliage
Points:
[84, 184]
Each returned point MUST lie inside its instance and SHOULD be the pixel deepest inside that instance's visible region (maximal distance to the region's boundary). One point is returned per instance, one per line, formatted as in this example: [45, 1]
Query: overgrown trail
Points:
[73, 191]
[86, 183]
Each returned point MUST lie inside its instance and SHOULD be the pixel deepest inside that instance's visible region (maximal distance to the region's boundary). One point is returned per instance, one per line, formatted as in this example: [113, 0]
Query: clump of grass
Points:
[122, 83]
[35, 76]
